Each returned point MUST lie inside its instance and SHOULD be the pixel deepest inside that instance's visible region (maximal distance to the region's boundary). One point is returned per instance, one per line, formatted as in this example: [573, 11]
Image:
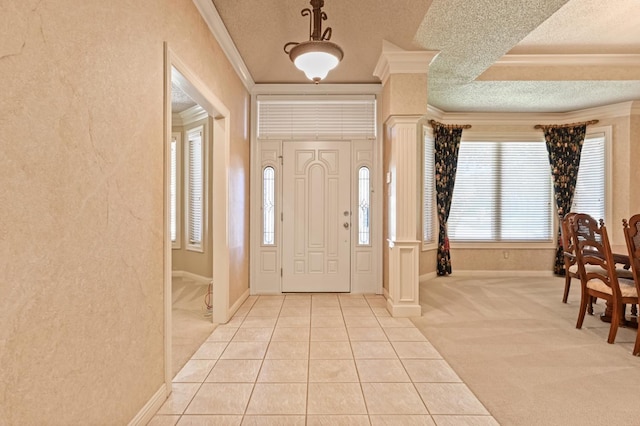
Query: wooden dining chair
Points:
[597, 270]
[570, 266]
[632, 237]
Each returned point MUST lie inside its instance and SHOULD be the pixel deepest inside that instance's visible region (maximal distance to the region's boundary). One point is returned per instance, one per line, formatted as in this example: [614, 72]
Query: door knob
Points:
[346, 225]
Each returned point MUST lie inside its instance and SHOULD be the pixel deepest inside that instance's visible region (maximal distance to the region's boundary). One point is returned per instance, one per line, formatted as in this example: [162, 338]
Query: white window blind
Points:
[195, 188]
[173, 189]
[428, 194]
[502, 192]
[328, 117]
[589, 196]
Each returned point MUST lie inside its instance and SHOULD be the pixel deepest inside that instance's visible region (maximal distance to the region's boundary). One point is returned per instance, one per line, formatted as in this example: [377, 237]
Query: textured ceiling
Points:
[471, 35]
[180, 101]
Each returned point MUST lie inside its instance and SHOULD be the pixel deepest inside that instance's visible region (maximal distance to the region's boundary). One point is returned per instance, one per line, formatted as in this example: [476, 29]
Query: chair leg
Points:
[615, 321]
[584, 298]
[567, 286]
[592, 300]
[636, 348]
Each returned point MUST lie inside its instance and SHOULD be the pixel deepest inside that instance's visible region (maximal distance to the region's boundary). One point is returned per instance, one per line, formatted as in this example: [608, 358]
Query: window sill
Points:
[499, 245]
[197, 249]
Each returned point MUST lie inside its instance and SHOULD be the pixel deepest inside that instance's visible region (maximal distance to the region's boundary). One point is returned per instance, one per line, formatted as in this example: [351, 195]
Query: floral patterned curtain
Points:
[564, 145]
[447, 145]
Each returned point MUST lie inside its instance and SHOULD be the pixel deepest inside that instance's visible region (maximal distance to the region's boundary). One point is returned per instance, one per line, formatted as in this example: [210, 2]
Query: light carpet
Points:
[515, 344]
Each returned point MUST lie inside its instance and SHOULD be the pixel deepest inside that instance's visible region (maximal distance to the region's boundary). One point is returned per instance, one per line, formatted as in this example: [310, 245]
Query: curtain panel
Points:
[564, 145]
[447, 146]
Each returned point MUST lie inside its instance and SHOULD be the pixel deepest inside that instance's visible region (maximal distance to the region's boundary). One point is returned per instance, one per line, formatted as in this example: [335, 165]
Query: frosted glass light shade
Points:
[316, 58]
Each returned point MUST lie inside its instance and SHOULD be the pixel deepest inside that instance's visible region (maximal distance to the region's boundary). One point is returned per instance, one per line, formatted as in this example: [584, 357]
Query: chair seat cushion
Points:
[620, 272]
[627, 287]
[589, 268]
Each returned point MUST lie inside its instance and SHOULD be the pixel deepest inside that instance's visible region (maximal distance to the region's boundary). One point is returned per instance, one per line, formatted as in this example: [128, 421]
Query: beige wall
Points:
[81, 201]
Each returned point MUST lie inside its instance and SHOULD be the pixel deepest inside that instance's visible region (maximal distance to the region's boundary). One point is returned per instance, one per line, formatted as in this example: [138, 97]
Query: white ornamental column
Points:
[403, 108]
[404, 248]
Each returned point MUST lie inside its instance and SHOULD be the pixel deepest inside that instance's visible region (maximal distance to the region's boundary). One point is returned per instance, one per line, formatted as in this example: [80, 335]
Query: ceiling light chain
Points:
[317, 56]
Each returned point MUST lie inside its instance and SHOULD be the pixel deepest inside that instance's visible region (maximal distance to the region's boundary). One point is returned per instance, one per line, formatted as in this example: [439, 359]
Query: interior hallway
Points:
[321, 359]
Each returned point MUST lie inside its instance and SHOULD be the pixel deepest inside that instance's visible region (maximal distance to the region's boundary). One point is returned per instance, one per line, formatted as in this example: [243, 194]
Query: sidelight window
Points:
[364, 206]
[268, 206]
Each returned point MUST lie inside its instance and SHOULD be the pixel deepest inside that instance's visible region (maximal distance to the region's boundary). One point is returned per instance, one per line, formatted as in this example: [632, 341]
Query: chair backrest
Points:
[632, 237]
[593, 248]
[567, 242]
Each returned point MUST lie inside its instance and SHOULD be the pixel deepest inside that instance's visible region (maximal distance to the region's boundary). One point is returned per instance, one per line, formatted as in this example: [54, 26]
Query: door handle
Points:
[346, 225]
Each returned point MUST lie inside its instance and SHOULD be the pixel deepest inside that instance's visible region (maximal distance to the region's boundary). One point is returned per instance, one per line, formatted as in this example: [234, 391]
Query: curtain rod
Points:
[450, 126]
[554, 126]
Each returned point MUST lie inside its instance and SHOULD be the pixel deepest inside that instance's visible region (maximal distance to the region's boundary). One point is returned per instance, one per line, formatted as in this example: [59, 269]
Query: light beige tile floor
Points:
[319, 359]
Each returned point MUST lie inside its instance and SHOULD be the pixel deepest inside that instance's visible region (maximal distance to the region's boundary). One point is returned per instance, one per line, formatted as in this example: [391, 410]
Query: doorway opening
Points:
[196, 256]
[190, 230]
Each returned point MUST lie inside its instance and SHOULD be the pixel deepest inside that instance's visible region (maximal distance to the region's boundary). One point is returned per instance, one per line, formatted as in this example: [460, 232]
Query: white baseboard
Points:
[199, 279]
[427, 276]
[403, 311]
[385, 293]
[239, 302]
[501, 273]
[150, 408]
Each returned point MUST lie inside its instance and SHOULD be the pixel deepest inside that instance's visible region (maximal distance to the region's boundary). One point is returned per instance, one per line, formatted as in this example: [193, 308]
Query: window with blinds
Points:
[589, 196]
[194, 185]
[311, 117]
[502, 193]
[174, 149]
[428, 190]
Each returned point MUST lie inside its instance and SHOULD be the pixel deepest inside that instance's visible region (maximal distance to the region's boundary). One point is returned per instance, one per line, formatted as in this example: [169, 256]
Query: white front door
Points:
[316, 223]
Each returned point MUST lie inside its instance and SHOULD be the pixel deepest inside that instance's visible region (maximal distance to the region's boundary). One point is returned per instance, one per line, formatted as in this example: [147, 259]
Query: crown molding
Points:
[216, 26]
[190, 115]
[583, 60]
[394, 60]
[316, 89]
[622, 109]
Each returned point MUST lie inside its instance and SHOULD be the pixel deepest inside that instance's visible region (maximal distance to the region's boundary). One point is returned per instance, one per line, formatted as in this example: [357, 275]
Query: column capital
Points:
[395, 60]
[410, 120]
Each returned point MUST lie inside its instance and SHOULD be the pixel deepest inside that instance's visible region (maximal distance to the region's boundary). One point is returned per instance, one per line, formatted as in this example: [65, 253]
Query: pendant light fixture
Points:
[317, 56]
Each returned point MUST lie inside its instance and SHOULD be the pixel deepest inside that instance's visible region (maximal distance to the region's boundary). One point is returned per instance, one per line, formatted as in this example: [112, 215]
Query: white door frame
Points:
[270, 283]
[175, 68]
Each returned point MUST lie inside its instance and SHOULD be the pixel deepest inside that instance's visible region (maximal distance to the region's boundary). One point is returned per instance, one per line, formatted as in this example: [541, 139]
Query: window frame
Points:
[359, 231]
[177, 210]
[428, 214]
[194, 246]
[275, 207]
[470, 137]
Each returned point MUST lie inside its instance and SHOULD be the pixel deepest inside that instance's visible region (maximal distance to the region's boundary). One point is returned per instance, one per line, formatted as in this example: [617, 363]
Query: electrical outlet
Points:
[505, 254]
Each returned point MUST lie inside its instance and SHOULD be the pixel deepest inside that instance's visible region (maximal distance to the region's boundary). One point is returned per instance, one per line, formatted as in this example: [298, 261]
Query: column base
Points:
[403, 311]
[404, 298]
